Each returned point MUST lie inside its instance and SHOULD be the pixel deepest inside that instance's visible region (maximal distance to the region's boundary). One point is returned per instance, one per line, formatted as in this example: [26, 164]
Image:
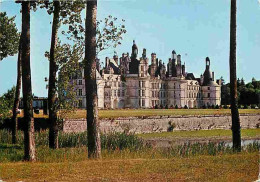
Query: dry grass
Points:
[236, 167]
[153, 112]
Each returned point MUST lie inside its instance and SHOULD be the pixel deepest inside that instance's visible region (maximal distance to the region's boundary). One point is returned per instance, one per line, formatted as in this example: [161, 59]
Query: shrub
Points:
[217, 106]
[176, 106]
[171, 126]
[245, 106]
[185, 107]
[225, 106]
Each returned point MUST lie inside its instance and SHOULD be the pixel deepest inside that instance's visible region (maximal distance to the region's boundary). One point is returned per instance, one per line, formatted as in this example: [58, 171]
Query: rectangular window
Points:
[80, 82]
[118, 93]
[208, 88]
[80, 92]
[143, 102]
[123, 93]
[143, 93]
[115, 93]
[208, 94]
[114, 84]
[80, 103]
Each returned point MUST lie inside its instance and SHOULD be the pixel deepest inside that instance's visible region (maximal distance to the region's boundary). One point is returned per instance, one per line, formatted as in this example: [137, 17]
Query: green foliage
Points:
[110, 33]
[67, 58]
[6, 103]
[9, 36]
[248, 94]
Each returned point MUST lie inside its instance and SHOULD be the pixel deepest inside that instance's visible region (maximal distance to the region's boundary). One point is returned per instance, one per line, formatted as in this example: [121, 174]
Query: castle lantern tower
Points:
[144, 54]
[134, 50]
[207, 76]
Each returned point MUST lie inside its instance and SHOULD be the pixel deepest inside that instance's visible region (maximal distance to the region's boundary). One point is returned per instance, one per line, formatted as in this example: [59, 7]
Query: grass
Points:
[234, 167]
[245, 133]
[80, 113]
[123, 160]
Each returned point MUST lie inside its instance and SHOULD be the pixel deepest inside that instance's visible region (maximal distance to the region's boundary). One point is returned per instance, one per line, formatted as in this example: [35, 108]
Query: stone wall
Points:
[163, 123]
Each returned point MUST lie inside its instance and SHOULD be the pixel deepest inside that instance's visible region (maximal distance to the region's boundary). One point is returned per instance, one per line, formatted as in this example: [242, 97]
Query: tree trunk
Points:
[17, 96]
[52, 98]
[93, 125]
[236, 135]
[29, 143]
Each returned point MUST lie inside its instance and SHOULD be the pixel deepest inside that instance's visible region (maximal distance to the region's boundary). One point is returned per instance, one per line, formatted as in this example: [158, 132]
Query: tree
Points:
[93, 125]
[65, 12]
[53, 131]
[236, 133]
[29, 143]
[17, 96]
[9, 36]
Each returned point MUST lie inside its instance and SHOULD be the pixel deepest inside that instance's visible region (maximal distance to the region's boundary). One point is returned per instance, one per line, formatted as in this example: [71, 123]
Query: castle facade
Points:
[131, 82]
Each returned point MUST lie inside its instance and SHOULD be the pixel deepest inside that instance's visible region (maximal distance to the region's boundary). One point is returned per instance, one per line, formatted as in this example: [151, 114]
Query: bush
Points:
[176, 106]
[225, 107]
[217, 106]
[253, 106]
[245, 107]
[185, 107]
[171, 126]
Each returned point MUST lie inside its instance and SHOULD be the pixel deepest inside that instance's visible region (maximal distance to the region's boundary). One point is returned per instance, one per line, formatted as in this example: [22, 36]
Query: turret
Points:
[207, 76]
[144, 54]
[174, 55]
[134, 50]
[115, 57]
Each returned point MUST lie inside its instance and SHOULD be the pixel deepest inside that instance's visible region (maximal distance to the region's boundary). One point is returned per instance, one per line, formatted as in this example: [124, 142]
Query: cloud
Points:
[258, 2]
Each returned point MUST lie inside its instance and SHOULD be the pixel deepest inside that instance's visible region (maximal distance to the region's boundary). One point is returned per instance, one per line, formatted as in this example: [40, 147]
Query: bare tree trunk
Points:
[17, 96]
[93, 125]
[53, 132]
[236, 135]
[29, 143]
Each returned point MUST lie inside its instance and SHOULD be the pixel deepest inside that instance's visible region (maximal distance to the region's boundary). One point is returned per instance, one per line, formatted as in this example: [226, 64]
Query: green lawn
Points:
[245, 133]
[154, 112]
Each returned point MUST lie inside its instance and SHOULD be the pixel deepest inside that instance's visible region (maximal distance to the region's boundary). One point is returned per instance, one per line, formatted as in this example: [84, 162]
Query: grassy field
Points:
[245, 133]
[153, 112]
[125, 158]
[242, 167]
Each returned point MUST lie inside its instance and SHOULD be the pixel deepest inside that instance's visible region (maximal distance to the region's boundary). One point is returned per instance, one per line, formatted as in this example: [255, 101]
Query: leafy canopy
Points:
[9, 36]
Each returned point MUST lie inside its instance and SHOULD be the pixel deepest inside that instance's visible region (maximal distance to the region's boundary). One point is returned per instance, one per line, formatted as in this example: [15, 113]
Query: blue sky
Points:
[193, 28]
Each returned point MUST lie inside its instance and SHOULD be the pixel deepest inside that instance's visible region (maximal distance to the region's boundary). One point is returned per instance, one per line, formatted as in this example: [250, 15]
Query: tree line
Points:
[248, 93]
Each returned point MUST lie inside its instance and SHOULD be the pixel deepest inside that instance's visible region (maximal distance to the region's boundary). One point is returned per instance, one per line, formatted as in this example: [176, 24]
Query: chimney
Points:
[107, 62]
